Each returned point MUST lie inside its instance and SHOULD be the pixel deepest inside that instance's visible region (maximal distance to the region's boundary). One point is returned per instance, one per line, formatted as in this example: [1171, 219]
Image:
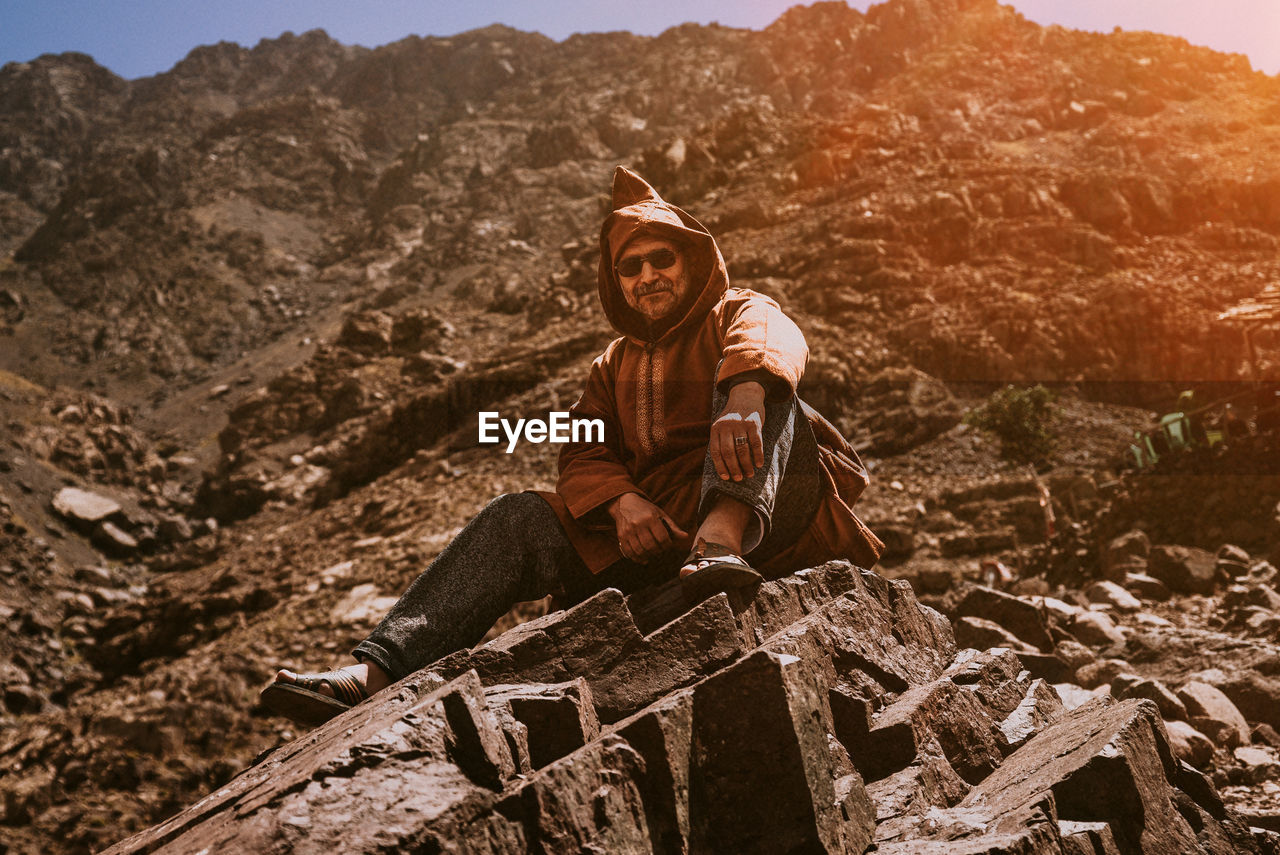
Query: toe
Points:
[305, 681]
[693, 567]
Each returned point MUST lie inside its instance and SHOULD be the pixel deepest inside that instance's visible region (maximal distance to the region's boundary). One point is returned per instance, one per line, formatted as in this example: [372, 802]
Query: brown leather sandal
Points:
[713, 567]
[302, 702]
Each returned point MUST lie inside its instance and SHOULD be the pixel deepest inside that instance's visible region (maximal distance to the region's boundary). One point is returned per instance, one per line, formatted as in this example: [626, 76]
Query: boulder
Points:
[1189, 744]
[1255, 596]
[1074, 696]
[83, 508]
[905, 797]
[1147, 587]
[1185, 569]
[981, 634]
[1023, 619]
[1259, 764]
[1171, 708]
[1095, 629]
[590, 801]
[1231, 562]
[902, 408]
[1074, 654]
[1058, 611]
[996, 677]
[899, 541]
[1129, 549]
[1265, 734]
[418, 330]
[598, 640]
[1047, 666]
[663, 736]
[1108, 593]
[1094, 197]
[368, 333]
[1264, 573]
[1101, 671]
[1256, 696]
[113, 540]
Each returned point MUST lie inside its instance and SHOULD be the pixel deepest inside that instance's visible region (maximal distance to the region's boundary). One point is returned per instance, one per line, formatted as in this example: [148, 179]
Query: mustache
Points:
[644, 290]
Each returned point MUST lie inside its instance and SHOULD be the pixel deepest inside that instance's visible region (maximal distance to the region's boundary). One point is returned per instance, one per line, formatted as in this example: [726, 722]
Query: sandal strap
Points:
[706, 553]
[346, 688]
[705, 549]
[717, 559]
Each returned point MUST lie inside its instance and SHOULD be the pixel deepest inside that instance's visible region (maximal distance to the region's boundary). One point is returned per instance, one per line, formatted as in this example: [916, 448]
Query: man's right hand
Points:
[644, 530]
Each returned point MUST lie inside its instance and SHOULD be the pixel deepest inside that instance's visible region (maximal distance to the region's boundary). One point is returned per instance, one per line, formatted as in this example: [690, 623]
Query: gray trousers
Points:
[515, 550]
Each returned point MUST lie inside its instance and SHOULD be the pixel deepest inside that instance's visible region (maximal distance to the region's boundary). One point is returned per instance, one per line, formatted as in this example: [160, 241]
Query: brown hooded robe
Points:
[652, 389]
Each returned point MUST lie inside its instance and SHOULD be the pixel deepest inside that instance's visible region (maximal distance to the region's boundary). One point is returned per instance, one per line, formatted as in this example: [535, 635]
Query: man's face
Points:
[654, 291]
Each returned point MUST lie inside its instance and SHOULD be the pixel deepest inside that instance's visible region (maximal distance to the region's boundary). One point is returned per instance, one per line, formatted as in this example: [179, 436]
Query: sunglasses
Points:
[631, 266]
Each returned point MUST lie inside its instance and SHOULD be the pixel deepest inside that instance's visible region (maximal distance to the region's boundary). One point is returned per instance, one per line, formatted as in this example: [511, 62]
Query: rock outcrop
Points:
[831, 711]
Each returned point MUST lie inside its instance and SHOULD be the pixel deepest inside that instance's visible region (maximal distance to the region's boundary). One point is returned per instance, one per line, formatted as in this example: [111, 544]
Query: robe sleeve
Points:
[758, 336]
[594, 473]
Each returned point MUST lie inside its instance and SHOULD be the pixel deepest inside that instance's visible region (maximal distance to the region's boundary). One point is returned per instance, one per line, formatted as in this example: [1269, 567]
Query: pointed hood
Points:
[639, 210]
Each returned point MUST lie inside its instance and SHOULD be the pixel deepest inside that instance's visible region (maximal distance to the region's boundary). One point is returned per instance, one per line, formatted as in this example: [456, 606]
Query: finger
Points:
[757, 443]
[744, 455]
[661, 537]
[730, 451]
[717, 457]
[628, 543]
[646, 544]
[722, 441]
[677, 533]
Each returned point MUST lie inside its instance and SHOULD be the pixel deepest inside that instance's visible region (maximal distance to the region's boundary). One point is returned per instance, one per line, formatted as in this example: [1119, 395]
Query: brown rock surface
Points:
[1223, 721]
[1023, 619]
[1184, 569]
[947, 197]
[1189, 744]
[750, 753]
[82, 506]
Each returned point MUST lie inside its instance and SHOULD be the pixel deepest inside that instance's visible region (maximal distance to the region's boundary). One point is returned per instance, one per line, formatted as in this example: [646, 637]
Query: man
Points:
[703, 434]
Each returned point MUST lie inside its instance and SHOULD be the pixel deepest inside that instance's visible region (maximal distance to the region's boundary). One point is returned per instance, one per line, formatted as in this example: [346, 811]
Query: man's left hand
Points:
[737, 445]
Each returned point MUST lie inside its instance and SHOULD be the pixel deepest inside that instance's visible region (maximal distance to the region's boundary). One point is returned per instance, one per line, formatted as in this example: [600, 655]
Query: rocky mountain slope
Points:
[249, 309]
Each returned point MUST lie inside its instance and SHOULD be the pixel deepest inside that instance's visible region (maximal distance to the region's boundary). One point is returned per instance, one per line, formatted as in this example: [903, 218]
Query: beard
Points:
[671, 308]
[680, 297]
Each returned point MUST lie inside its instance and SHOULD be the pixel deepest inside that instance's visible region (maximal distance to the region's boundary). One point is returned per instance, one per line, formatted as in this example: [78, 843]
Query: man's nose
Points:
[648, 273]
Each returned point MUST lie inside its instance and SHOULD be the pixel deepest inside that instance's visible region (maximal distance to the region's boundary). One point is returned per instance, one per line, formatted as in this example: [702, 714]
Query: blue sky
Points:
[135, 38]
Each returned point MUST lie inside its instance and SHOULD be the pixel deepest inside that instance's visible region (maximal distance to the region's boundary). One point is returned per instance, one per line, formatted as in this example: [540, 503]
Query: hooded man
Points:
[703, 433]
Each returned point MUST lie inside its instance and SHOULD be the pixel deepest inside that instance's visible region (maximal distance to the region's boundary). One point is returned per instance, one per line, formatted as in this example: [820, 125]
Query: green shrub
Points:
[1020, 419]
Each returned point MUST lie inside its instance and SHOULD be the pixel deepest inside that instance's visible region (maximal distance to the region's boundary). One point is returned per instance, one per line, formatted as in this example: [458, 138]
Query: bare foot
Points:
[368, 675]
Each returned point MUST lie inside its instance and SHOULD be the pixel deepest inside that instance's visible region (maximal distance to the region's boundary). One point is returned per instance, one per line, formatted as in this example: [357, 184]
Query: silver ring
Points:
[739, 440]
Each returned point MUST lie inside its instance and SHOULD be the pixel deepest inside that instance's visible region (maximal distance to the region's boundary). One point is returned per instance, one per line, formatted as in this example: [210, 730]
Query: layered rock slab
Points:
[433, 763]
[823, 712]
[765, 778]
[1100, 779]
